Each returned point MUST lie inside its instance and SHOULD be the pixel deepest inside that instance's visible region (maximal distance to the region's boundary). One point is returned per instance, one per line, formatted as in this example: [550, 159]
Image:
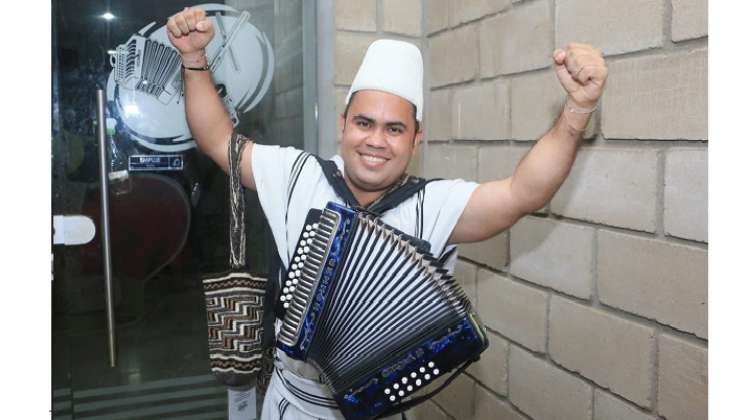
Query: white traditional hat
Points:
[394, 67]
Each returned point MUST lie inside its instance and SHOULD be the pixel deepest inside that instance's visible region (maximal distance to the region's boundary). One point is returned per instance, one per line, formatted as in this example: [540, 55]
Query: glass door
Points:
[168, 219]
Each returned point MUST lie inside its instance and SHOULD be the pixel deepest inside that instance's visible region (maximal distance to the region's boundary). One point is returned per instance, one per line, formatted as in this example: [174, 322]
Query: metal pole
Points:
[101, 134]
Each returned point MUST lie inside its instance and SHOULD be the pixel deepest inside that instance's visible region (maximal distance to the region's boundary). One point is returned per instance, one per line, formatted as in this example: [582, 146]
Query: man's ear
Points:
[416, 141]
[342, 121]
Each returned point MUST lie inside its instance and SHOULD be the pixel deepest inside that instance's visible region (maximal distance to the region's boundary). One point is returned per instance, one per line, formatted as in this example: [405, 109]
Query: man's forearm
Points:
[541, 172]
[206, 115]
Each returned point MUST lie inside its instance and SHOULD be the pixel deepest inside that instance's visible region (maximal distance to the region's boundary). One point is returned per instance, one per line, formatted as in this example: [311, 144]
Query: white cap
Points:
[394, 67]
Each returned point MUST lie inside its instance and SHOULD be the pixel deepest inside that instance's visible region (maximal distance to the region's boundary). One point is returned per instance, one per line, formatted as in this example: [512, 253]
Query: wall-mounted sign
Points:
[145, 84]
[156, 163]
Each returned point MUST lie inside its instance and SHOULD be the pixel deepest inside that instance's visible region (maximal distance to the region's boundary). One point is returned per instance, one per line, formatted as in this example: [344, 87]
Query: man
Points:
[381, 132]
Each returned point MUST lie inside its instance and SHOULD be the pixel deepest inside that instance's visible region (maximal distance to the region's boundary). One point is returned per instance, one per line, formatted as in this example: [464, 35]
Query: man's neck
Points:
[366, 198]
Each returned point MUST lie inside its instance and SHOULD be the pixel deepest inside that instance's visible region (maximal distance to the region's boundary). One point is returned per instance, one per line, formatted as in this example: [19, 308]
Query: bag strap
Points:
[408, 186]
[236, 205]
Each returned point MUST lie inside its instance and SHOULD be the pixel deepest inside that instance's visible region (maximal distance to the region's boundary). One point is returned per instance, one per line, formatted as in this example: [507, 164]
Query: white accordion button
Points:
[315, 225]
[303, 257]
[285, 290]
[308, 227]
[427, 376]
[305, 235]
[294, 266]
[286, 305]
[431, 364]
[312, 234]
[303, 243]
[282, 298]
[292, 288]
[395, 386]
[418, 382]
[306, 249]
[413, 375]
[435, 371]
[295, 281]
[409, 388]
[392, 398]
[422, 370]
[404, 380]
[387, 391]
[297, 259]
[292, 274]
[298, 273]
[401, 393]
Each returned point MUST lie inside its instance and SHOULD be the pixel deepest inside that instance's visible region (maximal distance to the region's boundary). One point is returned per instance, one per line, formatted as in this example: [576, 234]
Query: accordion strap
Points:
[406, 187]
[415, 401]
[236, 205]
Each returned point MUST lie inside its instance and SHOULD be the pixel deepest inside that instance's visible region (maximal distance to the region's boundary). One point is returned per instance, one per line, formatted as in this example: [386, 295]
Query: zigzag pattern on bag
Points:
[234, 303]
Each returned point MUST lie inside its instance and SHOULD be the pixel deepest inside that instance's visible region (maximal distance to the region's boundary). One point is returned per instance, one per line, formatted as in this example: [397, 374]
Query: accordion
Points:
[376, 314]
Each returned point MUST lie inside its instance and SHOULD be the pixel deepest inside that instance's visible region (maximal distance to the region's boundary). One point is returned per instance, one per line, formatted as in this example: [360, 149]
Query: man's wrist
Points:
[195, 59]
[577, 107]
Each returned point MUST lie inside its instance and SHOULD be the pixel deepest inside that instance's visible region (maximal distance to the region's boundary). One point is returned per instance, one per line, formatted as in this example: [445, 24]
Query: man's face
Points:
[378, 139]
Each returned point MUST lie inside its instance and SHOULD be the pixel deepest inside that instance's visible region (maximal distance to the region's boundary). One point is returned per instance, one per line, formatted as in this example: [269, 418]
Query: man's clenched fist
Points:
[190, 31]
[582, 72]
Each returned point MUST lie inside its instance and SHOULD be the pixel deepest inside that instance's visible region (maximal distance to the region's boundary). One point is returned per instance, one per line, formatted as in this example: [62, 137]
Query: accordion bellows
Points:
[377, 316]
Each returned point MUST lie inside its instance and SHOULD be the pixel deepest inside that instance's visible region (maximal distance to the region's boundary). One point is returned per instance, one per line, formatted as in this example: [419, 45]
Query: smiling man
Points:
[381, 133]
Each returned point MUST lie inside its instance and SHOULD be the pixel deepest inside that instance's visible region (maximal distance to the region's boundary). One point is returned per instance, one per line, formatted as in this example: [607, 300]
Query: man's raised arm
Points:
[190, 31]
[497, 205]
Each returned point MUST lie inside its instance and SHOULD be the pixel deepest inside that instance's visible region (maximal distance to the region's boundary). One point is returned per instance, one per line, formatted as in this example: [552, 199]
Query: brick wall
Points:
[597, 304]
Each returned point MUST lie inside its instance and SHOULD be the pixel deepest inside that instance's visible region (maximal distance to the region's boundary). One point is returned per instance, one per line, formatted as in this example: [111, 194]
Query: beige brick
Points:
[544, 391]
[438, 121]
[401, 17]
[349, 51]
[489, 407]
[686, 194]
[661, 97]
[453, 56]
[654, 279]
[540, 254]
[689, 19]
[536, 101]
[683, 379]
[466, 275]
[480, 112]
[608, 407]
[469, 10]
[516, 311]
[356, 15]
[415, 167]
[427, 411]
[615, 187]
[492, 252]
[458, 399]
[613, 26]
[451, 161]
[436, 15]
[498, 162]
[516, 41]
[492, 368]
[613, 352]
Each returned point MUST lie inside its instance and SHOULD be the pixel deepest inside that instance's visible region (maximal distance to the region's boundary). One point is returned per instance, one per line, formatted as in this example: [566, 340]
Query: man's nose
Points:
[377, 138]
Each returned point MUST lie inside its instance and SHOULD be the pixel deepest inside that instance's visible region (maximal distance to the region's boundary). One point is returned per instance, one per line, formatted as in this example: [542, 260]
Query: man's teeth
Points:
[373, 159]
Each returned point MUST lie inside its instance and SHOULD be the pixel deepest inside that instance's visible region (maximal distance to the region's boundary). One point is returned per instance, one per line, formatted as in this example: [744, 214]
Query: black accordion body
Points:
[374, 313]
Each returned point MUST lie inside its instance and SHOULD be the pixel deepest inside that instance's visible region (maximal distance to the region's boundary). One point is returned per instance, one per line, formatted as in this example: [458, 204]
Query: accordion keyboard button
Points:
[413, 375]
[387, 391]
[422, 370]
[401, 393]
[409, 388]
[392, 398]
[418, 382]
[431, 364]
[427, 377]
[404, 380]
[395, 386]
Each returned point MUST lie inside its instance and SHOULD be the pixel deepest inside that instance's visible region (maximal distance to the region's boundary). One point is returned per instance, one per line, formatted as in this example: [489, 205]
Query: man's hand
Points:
[189, 32]
[582, 72]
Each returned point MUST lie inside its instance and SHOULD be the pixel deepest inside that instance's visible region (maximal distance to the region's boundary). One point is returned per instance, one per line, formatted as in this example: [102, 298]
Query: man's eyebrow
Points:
[388, 124]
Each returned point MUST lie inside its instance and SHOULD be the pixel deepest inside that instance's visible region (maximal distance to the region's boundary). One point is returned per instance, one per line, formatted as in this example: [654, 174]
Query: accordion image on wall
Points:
[377, 316]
